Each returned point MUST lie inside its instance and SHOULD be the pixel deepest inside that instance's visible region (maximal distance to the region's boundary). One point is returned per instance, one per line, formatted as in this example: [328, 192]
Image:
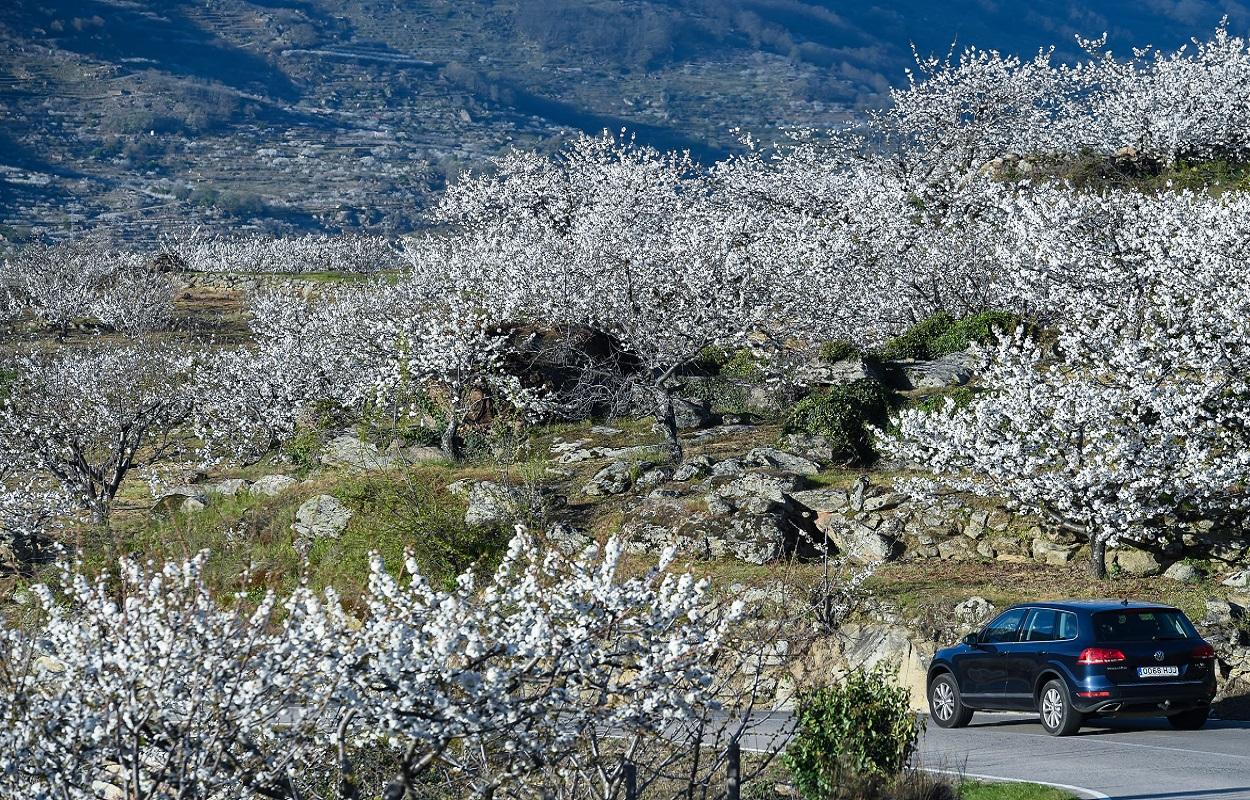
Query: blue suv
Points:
[1077, 659]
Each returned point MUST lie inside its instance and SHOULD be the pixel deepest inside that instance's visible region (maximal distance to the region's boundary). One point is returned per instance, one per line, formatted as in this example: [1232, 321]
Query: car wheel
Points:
[1059, 718]
[945, 706]
[1190, 720]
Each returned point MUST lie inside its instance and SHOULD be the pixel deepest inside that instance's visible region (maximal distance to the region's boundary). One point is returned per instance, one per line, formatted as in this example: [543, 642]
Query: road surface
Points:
[1139, 759]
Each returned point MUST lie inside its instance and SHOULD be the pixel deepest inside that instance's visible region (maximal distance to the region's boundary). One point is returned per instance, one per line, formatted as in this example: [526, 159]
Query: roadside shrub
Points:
[941, 334]
[850, 734]
[842, 414]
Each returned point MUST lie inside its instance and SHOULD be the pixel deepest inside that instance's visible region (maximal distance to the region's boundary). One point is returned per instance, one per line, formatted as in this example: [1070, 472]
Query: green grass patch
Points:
[977, 790]
[252, 547]
[919, 588]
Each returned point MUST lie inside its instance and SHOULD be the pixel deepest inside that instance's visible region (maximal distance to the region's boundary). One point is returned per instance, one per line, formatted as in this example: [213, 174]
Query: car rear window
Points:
[1142, 625]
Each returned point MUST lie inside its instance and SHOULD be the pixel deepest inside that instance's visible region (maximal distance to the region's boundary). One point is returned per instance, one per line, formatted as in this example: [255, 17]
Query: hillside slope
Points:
[344, 113]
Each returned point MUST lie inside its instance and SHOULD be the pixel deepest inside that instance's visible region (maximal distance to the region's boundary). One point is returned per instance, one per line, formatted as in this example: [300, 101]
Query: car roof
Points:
[1107, 604]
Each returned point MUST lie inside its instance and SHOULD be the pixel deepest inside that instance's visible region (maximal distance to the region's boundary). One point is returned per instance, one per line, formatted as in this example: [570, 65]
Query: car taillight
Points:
[1203, 651]
[1100, 655]
[1093, 694]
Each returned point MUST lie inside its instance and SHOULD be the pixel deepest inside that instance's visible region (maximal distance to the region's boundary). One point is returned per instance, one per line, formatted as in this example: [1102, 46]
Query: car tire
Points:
[1190, 720]
[1055, 709]
[946, 708]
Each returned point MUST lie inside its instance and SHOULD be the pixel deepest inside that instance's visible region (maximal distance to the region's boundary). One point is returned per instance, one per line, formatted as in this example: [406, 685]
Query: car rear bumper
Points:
[1153, 700]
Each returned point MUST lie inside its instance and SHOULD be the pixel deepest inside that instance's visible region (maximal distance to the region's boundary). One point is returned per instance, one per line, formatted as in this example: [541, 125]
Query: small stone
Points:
[490, 503]
[974, 610]
[1239, 580]
[977, 524]
[271, 485]
[653, 477]
[1053, 554]
[1139, 563]
[781, 460]
[422, 454]
[230, 487]
[954, 550]
[774, 488]
[1222, 612]
[568, 539]
[1182, 572]
[693, 468]
[351, 453]
[883, 502]
[320, 517]
[822, 500]
[616, 478]
[863, 544]
[728, 467]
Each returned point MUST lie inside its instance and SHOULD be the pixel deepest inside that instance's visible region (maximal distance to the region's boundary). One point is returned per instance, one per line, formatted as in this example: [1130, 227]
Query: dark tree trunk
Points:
[450, 442]
[1098, 558]
[667, 418]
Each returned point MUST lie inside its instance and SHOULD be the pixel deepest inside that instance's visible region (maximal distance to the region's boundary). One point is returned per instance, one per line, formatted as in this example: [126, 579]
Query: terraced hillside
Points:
[344, 114]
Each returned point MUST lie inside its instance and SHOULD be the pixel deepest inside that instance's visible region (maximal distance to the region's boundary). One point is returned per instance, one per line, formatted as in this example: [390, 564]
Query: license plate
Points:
[1158, 672]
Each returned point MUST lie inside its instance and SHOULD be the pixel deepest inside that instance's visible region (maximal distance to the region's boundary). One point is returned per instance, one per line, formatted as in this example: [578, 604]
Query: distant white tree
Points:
[624, 239]
[307, 353]
[1192, 103]
[88, 416]
[310, 253]
[88, 279]
[955, 115]
[445, 341]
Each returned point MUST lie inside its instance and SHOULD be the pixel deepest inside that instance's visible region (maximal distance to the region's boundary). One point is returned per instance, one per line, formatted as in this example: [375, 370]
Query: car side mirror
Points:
[972, 639]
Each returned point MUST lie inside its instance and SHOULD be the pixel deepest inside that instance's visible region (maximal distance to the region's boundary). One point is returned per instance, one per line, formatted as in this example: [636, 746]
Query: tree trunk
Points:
[667, 418]
[1098, 558]
[450, 442]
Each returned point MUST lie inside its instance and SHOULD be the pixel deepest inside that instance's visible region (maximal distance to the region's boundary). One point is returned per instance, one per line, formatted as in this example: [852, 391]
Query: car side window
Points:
[1004, 628]
[1042, 626]
[1066, 628]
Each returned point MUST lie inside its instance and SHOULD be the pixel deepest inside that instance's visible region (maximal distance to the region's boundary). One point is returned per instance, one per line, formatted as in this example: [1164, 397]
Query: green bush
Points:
[744, 365]
[936, 403]
[860, 728]
[838, 350]
[940, 334]
[712, 359]
[842, 414]
[7, 378]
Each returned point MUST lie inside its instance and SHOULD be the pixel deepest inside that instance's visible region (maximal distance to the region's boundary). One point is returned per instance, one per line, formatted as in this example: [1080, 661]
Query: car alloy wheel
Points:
[945, 706]
[943, 701]
[1059, 718]
[1052, 708]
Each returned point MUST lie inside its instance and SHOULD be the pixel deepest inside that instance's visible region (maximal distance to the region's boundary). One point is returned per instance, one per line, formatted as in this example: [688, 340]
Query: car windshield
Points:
[1142, 625]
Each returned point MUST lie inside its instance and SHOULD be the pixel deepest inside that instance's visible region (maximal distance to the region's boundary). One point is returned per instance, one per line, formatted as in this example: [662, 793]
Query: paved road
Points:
[1142, 759]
